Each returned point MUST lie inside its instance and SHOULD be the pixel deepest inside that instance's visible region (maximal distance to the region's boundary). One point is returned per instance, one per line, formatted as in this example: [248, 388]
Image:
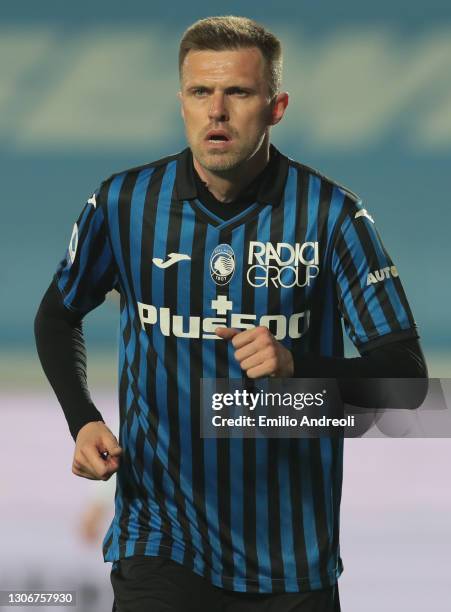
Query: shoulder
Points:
[347, 199]
[130, 174]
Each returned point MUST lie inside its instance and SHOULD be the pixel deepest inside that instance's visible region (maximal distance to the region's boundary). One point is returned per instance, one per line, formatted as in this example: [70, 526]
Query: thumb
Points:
[227, 333]
[111, 449]
[114, 450]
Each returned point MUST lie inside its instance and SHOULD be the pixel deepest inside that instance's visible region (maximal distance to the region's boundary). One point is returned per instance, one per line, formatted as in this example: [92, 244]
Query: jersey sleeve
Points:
[371, 298]
[88, 271]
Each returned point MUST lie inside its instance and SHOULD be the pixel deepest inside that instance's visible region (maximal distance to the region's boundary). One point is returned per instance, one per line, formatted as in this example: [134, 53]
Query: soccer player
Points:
[232, 261]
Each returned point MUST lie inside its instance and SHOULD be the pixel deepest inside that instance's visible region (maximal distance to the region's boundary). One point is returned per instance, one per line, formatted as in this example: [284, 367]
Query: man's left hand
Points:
[258, 352]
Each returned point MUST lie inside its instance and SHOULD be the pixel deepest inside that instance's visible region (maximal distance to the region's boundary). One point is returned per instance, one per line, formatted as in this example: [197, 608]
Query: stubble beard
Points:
[217, 161]
[225, 162]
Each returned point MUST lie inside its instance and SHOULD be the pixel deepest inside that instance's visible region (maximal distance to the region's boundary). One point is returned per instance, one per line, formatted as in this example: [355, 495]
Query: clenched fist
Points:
[258, 352]
[97, 452]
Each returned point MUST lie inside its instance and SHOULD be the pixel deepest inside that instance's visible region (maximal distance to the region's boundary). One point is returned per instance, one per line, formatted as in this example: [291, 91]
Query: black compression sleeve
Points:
[401, 359]
[61, 349]
[363, 380]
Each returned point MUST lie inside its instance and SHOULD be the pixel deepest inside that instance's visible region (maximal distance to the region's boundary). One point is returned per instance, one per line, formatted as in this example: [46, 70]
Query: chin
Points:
[220, 165]
[219, 162]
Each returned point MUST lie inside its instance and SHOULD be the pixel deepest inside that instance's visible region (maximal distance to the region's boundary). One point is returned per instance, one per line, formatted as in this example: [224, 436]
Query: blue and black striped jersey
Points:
[253, 514]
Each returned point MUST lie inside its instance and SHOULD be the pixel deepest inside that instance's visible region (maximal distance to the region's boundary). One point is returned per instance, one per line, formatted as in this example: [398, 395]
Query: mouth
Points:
[217, 137]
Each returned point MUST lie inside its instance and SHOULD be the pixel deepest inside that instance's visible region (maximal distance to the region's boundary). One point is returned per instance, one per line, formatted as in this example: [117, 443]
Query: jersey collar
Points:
[271, 188]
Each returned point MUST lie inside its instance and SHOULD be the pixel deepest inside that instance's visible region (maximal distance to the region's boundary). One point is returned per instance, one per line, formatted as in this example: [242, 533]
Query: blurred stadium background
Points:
[88, 90]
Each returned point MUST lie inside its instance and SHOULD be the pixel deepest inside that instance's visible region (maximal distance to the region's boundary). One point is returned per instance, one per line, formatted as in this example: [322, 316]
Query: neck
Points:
[226, 186]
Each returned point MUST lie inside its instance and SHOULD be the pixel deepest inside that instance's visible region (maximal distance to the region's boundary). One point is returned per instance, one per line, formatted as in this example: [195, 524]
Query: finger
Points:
[108, 475]
[81, 464]
[261, 333]
[87, 473]
[261, 342]
[83, 473]
[111, 450]
[258, 358]
[112, 461]
[85, 467]
[268, 368]
[96, 464]
[246, 351]
[112, 464]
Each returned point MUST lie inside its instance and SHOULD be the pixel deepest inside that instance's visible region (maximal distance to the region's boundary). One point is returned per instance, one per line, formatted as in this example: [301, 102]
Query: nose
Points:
[218, 110]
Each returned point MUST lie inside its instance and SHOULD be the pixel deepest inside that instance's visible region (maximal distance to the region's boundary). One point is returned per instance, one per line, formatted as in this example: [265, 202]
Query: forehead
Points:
[245, 65]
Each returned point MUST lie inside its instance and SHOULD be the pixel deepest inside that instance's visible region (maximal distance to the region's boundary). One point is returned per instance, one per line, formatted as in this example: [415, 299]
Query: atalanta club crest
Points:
[222, 264]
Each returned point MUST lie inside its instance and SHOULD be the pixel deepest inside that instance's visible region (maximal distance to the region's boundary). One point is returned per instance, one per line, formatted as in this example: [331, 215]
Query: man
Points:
[195, 243]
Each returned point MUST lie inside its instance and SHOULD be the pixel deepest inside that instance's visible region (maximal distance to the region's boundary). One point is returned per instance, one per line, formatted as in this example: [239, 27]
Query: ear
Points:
[278, 107]
[180, 97]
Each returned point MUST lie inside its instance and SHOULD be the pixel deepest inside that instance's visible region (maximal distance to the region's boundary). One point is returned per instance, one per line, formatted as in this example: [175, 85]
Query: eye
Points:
[200, 92]
[237, 91]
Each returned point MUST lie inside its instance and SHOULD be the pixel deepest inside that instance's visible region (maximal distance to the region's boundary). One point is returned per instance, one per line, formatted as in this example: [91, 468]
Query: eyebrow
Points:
[246, 88]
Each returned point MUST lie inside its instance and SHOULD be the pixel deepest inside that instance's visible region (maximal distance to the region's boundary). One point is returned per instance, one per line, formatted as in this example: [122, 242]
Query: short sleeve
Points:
[87, 272]
[371, 298]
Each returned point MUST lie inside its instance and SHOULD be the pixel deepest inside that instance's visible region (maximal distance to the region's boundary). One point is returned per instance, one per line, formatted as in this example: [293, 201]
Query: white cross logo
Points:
[221, 305]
